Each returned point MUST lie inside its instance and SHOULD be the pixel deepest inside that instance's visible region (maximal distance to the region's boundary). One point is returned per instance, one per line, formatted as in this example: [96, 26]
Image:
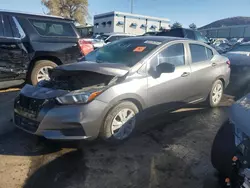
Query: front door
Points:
[169, 90]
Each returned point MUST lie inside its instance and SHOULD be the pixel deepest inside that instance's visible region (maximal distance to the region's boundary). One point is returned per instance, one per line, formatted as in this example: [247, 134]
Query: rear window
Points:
[172, 33]
[53, 29]
[242, 48]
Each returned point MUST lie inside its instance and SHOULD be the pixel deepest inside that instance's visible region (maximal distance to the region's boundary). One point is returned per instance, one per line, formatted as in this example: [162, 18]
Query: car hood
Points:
[239, 114]
[238, 58]
[111, 69]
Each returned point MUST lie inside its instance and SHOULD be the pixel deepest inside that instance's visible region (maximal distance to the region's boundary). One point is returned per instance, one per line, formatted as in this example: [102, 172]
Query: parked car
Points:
[219, 41]
[126, 79]
[239, 57]
[230, 150]
[184, 33]
[151, 33]
[31, 44]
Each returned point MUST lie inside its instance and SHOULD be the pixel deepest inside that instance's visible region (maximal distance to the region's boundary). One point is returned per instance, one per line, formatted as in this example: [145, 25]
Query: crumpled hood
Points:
[41, 92]
[239, 114]
[240, 59]
[112, 69]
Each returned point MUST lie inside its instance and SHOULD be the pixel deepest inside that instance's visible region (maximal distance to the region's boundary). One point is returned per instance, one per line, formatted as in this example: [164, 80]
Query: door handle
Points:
[214, 64]
[184, 74]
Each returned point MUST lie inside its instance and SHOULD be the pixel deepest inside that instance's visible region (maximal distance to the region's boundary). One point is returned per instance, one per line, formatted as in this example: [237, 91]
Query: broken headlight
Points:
[78, 97]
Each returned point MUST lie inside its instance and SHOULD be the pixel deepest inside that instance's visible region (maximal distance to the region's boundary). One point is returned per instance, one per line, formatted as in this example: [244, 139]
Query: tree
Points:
[192, 26]
[73, 9]
[176, 25]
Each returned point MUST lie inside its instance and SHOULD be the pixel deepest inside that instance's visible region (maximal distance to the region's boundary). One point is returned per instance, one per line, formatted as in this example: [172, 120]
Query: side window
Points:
[7, 27]
[189, 34]
[173, 54]
[210, 53]
[200, 37]
[53, 29]
[1, 26]
[112, 39]
[199, 53]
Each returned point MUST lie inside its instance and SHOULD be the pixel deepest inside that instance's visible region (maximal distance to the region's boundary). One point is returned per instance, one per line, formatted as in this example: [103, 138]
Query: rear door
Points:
[58, 38]
[204, 69]
[13, 55]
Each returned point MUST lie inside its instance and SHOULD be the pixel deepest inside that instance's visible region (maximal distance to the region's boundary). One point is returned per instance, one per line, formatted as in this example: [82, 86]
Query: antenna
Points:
[132, 6]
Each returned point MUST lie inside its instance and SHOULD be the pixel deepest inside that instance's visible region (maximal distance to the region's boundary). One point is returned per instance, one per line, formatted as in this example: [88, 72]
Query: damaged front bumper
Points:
[44, 117]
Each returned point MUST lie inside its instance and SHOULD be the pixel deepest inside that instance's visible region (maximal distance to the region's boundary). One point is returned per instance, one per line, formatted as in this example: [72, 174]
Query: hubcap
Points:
[43, 73]
[217, 93]
[123, 124]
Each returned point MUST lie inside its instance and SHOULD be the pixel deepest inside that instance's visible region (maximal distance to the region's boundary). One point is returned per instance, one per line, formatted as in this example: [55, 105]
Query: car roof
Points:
[163, 39]
[117, 33]
[33, 15]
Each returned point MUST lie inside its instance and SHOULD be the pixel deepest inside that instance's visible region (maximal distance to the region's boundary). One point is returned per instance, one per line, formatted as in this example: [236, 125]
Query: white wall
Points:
[101, 29]
[118, 28]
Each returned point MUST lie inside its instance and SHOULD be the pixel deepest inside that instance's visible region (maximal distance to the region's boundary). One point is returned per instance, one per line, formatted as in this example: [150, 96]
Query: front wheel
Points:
[40, 71]
[120, 122]
[216, 93]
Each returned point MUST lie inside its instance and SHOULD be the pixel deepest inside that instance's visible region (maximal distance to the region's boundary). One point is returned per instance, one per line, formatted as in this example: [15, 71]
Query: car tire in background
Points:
[223, 149]
[216, 93]
[40, 71]
[120, 122]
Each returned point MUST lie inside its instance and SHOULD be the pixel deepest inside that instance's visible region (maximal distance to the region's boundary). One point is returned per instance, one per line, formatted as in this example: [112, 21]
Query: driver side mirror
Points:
[165, 68]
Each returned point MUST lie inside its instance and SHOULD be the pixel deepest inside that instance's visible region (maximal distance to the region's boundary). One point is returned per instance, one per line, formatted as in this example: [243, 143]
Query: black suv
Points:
[184, 33]
[32, 44]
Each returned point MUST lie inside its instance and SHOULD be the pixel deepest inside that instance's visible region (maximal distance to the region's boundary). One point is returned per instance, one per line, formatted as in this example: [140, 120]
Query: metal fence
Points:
[240, 31]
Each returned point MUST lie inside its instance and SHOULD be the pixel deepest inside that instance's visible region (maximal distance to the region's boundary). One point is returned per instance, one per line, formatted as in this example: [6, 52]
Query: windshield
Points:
[102, 37]
[242, 48]
[125, 51]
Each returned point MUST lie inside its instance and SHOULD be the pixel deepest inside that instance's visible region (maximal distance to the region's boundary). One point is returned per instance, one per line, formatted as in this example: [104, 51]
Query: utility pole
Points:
[132, 6]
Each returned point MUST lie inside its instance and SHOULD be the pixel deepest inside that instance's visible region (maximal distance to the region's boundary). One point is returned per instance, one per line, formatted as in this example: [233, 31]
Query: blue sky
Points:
[201, 12]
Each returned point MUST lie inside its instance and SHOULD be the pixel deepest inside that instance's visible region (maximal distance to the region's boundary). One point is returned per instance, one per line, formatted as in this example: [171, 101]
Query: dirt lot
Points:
[172, 151]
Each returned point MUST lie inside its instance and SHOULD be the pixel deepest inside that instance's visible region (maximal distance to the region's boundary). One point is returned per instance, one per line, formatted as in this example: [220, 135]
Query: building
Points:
[128, 23]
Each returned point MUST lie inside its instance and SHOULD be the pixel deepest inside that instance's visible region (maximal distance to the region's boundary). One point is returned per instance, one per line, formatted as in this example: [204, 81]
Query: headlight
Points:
[78, 97]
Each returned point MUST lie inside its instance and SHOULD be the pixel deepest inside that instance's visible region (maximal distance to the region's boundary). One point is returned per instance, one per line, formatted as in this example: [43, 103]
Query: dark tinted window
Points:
[172, 33]
[198, 53]
[7, 27]
[173, 54]
[189, 34]
[112, 38]
[201, 37]
[53, 29]
[1, 26]
[242, 48]
[126, 51]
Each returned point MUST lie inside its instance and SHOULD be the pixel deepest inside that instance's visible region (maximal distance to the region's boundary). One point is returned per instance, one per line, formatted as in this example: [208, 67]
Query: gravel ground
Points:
[172, 151]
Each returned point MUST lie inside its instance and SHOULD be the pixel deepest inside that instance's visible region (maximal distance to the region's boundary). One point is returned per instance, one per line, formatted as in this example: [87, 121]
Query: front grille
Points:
[25, 123]
[30, 105]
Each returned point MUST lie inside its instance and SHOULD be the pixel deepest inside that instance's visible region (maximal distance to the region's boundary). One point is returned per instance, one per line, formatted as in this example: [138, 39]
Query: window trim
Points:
[205, 46]
[19, 28]
[1, 22]
[29, 20]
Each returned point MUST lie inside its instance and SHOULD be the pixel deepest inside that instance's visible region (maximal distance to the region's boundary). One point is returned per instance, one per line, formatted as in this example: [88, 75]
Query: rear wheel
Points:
[40, 71]
[223, 149]
[120, 122]
[216, 93]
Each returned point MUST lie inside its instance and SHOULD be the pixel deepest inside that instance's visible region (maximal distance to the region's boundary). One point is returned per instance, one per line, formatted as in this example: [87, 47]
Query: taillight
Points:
[86, 46]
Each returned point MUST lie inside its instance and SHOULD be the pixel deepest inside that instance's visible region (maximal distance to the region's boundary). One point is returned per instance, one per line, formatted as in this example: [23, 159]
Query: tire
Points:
[211, 102]
[107, 132]
[37, 67]
[223, 149]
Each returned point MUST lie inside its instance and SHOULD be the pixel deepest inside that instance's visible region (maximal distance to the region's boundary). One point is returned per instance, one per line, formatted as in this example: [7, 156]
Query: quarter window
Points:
[53, 29]
[173, 54]
[200, 53]
[7, 28]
